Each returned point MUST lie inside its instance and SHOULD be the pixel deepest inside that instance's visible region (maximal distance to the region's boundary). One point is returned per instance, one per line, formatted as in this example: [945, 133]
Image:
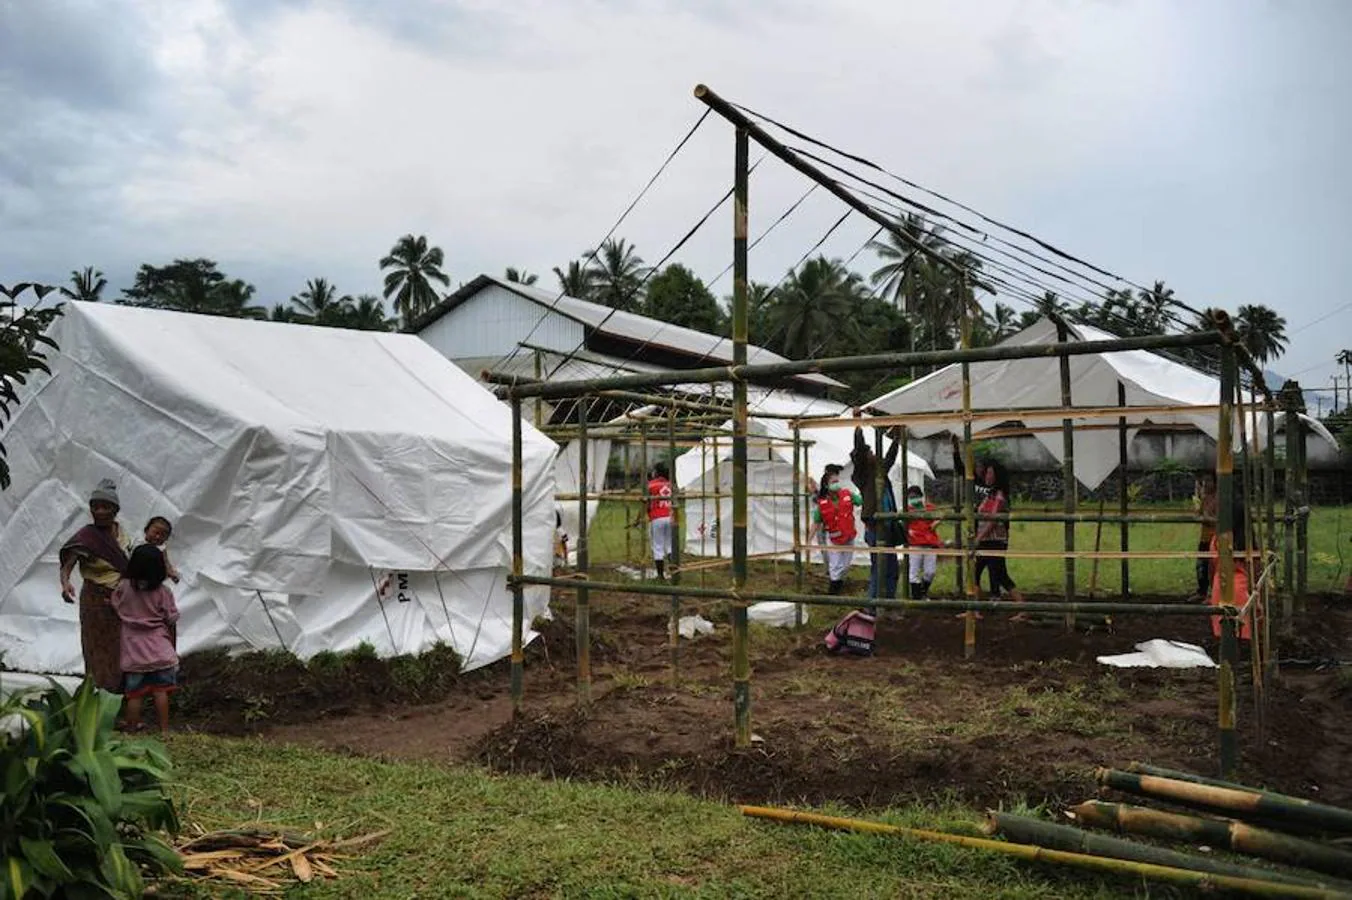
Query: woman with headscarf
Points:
[101, 550]
[833, 520]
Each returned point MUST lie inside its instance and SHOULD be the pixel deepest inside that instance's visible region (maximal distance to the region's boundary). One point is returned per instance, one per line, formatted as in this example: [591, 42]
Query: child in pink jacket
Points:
[149, 636]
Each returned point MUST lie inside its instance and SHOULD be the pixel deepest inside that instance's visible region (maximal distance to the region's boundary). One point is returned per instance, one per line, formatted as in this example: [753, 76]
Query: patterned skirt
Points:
[100, 637]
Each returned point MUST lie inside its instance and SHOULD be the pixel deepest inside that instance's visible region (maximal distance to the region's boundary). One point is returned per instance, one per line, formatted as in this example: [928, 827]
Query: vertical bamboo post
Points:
[878, 564]
[674, 620]
[1290, 407]
[904, 562]
[1225, 537]
[703, 506]
[624, 505]
[643, 504]
[539, 376]
[807, 507]
[959, 503]
[582, 615]
[969, 478]
[1125, 534]
[741, 659]
[796, 486]
[1068, 486]
[1270, 500]
[1302, 517]
[718, 498]
[518, 563]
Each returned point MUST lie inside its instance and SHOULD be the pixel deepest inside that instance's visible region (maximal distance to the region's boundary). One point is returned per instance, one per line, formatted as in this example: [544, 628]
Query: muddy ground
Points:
[1028, 719]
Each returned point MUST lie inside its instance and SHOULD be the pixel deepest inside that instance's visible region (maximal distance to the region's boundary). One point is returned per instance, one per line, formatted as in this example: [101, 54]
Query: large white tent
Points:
[327, 487]
[1147, 379]
[769, 471]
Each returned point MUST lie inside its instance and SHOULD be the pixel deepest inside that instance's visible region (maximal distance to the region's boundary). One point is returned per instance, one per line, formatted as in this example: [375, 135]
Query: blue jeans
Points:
[888, 562]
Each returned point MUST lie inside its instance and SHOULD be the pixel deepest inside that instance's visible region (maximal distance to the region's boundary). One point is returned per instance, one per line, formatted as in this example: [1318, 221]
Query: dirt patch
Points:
[1028, 718]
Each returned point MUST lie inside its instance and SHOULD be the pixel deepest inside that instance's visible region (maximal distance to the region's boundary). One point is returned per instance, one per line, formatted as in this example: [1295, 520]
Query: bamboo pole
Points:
[1069, 489]
[835, 365]
[1026, 830]
[932, 417]
[1098, 545]
[969, 481]
[741, 659]
[1290, 406]
[1031, 853]
[718, 498]
[1225, 537]
[518, 564]
[647, 498]
[1237, 837]
[674, 619]
[1185, 610]
[1142, 518]
[1025, 430]
[624, 506]
[877, 565]
[582, 611]
[1043, 554]
[1302, 514]
[797, 525]
[1244, 803]
[1125, 533]
[539, 404]
[904, 563]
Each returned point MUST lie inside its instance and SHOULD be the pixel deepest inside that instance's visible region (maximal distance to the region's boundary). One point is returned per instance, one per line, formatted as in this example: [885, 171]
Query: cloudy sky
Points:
[1201, 142]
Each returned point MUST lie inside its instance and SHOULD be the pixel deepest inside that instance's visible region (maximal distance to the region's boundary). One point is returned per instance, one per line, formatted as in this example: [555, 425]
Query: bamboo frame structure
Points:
[1230, 610]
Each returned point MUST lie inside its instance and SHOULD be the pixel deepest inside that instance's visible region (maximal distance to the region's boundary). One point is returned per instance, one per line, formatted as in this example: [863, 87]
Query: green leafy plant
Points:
[80, 804]
[23, 347]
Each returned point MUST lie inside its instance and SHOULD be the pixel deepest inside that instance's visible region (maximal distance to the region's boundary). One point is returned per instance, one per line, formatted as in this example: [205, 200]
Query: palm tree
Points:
[284, 313]
[413, 267]
[1004, 321]
[232, 298]
[1262, 331]
[617, 273]
[88, 285]
[367, 313]
[814, 305]
[520, 276]
[576, 281]
[319, 303]
[908, 272]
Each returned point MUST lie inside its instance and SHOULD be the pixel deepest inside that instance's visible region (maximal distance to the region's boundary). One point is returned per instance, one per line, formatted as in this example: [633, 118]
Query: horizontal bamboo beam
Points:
[831, 365]
[1000, 415]
[1025, 554]
[934, 606]
[1034, 853]
[638, 496]
[1020, 430]
[1089, 517]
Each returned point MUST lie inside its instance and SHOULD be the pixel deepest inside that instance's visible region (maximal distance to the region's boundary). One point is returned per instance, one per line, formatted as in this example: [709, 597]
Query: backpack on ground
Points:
[853, 634]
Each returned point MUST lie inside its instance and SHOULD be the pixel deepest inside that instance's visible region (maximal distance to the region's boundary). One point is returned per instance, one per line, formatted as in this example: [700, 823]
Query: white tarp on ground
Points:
[769, 470]
[1148, 379]
[327, 487]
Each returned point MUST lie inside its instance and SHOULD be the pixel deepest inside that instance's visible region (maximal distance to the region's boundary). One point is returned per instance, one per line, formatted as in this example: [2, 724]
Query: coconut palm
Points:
[233, 298]
[617, 273]
[908, 272]
[413, 267]
[576, 281]
[813, 306]
[87, 285]
[320, 304]
[367, 313]
[520, 276]
[1262, 331]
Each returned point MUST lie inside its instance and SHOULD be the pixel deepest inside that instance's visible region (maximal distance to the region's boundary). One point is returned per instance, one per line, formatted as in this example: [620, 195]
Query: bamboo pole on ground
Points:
[1069, 488]
[582, 610]
[1032, 853]
[1237, 837]
[969, 479]
[518, 563]
[1125, 526]
[674, 619]
[1245, 803]
[741, 659]
[1225, 674]
[1026, 830]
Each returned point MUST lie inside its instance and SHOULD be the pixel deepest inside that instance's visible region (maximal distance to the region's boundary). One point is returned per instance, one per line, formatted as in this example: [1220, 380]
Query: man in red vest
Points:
[833, 519]
[659, 516]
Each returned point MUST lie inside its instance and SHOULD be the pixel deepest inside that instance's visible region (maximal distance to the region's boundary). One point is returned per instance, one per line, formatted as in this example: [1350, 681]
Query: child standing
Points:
[993, 533]
[659, 516]
[149, 636]
[833, 519]
[920, 533]
[157, 534]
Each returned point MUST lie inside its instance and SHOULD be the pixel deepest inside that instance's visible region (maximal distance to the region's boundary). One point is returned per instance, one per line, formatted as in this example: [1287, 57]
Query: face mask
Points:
[916, 503]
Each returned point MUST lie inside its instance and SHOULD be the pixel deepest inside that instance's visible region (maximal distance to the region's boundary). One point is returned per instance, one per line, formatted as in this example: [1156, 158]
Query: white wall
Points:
[493, 321]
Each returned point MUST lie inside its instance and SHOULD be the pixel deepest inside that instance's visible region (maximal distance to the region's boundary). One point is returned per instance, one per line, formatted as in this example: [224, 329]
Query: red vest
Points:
[659, 506]
[838, 517]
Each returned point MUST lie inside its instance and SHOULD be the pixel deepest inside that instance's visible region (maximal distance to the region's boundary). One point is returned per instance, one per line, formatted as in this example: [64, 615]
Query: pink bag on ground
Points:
[853, 634]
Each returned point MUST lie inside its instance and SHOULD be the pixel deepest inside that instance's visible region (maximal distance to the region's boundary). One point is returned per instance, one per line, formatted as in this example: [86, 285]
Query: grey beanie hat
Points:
[107, 492]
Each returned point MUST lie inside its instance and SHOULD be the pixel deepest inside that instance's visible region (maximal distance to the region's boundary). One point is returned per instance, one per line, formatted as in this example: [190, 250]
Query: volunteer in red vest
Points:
[659, 516]
[833, 521]
[920, 533]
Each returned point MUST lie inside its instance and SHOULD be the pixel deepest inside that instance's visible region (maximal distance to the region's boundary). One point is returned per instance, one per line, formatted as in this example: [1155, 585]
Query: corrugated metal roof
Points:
[623, 325]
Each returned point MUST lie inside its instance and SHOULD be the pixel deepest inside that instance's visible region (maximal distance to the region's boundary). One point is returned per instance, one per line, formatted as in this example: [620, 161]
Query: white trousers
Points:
[660, 532]
[838, 562]
[922, 563]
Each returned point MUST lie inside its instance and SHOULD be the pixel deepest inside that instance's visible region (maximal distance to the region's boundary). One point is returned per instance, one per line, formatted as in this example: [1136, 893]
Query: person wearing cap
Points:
[101, 550]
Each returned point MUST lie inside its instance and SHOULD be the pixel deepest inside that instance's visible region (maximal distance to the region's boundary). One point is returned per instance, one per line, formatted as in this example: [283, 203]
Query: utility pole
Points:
[1337, 380]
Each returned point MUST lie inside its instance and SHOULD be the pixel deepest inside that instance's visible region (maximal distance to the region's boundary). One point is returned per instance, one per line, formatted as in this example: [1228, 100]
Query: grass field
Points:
[461, 832]
[1330, 552]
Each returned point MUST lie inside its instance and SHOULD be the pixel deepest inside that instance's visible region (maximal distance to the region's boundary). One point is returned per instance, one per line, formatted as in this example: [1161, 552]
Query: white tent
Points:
[1148, 379]
[769, 470]
[327, 487]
